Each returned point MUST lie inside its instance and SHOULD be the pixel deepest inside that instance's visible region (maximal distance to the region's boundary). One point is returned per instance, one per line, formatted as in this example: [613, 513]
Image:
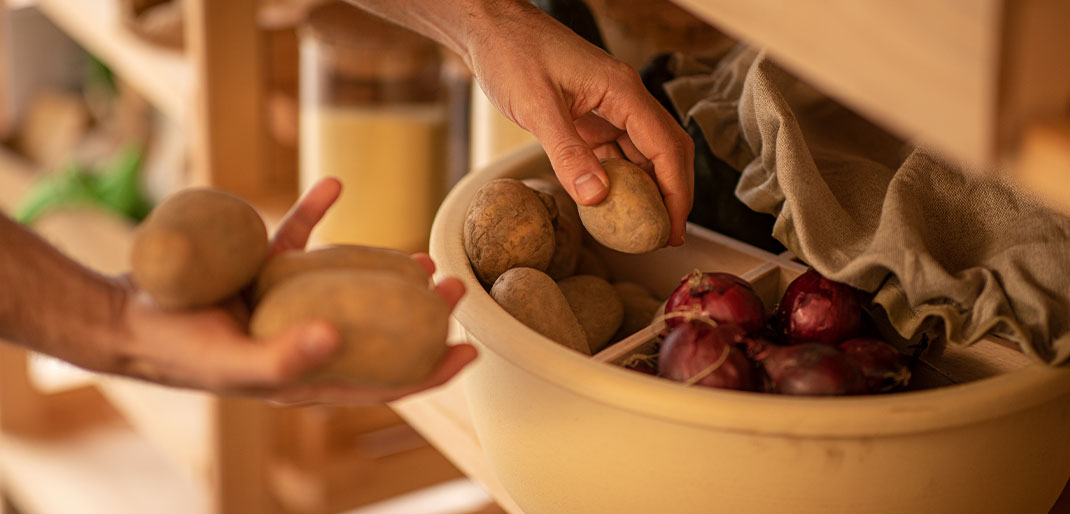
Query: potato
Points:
[198, 247]
[565, 204]
[507, 226]
[532, 297]
[289, 264]
[568, 240]
[632, 218]
[588, 262]
[568, 231]
[640, 307]
[393, 330]
[597, 307]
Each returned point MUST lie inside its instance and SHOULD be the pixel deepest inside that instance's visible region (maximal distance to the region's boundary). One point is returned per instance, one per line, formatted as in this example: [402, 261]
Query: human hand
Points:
[581, 104]
[210, 349]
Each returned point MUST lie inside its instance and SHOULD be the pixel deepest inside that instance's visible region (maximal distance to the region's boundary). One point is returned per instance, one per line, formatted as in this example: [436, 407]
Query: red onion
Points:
[811, 369]
[722, 297]
[815, 309]
[697, 353]
[883, 367]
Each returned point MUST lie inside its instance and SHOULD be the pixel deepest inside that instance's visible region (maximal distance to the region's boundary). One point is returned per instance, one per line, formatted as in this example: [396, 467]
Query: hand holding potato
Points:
[578, 101]
[582, 105]
[209, 349]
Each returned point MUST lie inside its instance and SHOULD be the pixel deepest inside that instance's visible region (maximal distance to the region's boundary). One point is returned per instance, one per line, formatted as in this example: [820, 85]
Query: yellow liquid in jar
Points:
[392, 164]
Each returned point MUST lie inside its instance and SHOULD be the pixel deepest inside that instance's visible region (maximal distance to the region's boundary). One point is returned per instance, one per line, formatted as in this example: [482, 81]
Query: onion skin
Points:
[815, 309]
[693, 347]
[881, 364]
[808, 369]
[722, 297]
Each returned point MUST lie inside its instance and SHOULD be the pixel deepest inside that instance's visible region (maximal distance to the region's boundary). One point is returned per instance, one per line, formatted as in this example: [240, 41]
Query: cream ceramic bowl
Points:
[570, 435]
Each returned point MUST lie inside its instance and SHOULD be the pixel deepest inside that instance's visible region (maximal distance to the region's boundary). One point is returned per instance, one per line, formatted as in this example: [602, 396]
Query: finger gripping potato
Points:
[506, 226]
[294, 262]
[197, 248]
[596, 305]
[533, 298]
[393, 331]
[632, 218]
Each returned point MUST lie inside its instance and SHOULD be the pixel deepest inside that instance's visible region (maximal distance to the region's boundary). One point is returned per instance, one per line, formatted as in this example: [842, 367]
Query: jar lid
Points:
[364, 46]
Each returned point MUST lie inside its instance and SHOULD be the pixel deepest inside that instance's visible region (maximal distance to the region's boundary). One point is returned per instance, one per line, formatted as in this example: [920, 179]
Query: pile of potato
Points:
[205, 247]
[526, 241]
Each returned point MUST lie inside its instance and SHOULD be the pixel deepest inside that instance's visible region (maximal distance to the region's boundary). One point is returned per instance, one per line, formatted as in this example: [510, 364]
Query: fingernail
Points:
[317, 343]
[589, 186]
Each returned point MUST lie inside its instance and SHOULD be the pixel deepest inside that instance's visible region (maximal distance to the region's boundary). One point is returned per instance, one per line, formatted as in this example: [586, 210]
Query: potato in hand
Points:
[197, 248]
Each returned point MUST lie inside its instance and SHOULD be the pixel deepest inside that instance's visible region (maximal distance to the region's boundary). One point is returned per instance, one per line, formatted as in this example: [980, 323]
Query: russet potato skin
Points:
[632, 218]
[393, 330]
[197, 248]
[533, 298]
[597, 307]
[640, 307]
[568, 231]
[294, 262]
[507, 225]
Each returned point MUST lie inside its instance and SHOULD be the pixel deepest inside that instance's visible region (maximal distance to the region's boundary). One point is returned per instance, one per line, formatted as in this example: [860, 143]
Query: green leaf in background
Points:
[118, 185]
[69, 187]
[115, 187]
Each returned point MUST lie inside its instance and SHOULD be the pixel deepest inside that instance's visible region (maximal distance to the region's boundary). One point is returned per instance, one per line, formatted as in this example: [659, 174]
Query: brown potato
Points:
[568, 231]
[198, 247]
[393, 330]
[565, 204]
[632, 218]
[597, 307]
[507, 226]
[532, 297]
[588, 262]
[640, 307]
[568, 240]
[289, 264]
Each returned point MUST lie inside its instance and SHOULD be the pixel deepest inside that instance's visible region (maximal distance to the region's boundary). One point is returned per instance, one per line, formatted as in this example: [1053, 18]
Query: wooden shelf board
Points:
[108, 470]
[163, 76]
[921, 68]
[176, 421]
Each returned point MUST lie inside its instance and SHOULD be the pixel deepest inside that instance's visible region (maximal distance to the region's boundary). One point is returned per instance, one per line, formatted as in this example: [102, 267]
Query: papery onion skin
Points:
[722, 297]
[884, 368]
[808, 369]
[694, 346]
[815, 309]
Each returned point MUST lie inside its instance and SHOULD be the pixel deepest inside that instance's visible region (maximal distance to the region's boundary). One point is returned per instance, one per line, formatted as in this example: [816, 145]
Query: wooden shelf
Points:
[176, 421]
[967, 78]
[110, 470]
[163, 76]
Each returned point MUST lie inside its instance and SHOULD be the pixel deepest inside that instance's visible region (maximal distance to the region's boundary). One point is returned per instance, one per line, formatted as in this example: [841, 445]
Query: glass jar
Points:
[374, 115]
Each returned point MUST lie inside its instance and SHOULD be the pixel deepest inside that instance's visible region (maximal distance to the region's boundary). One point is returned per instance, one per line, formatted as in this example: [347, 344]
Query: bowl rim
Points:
[494, 330]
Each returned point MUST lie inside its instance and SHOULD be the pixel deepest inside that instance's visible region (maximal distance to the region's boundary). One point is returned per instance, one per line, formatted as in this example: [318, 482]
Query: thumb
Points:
[288, 355]
[573, 160]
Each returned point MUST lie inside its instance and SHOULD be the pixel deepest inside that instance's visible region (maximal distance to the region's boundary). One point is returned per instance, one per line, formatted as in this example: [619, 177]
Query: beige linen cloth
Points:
[863, 207]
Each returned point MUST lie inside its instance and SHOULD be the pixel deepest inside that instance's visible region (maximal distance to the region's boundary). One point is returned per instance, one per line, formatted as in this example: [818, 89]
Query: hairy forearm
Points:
[453, 23]
[51, 304]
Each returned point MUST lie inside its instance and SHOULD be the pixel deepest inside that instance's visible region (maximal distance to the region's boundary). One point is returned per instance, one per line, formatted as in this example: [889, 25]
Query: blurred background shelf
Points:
[162, 75]
[107, 470]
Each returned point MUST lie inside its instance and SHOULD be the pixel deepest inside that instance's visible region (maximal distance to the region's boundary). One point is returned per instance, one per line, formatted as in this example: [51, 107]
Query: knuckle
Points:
[624, 72]
[569, 155]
